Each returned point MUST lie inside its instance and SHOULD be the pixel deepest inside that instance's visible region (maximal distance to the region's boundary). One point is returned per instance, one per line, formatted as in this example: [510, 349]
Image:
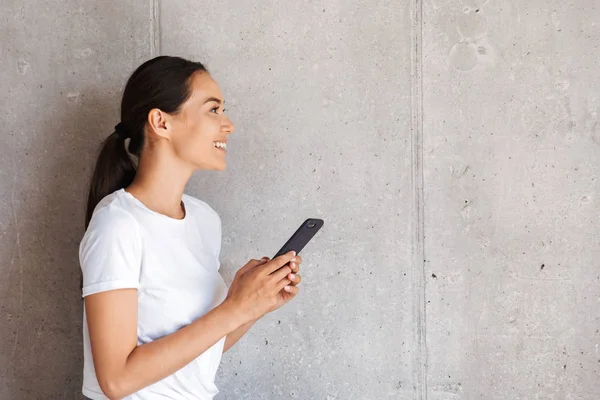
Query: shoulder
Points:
[112, 232]
[112, 216]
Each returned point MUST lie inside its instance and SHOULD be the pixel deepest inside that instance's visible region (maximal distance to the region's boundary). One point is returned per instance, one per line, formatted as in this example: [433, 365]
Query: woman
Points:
[157, 314]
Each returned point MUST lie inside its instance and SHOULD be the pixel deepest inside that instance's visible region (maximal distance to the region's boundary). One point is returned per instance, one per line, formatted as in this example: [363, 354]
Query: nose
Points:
[228, 126]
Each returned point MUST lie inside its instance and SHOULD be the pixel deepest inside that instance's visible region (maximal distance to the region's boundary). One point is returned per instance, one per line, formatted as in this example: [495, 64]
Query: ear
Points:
[158, 123]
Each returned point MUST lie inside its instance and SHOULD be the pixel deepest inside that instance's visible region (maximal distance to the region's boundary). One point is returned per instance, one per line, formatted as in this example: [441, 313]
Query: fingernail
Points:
[292, 276]
[293, 252]
[287, 288]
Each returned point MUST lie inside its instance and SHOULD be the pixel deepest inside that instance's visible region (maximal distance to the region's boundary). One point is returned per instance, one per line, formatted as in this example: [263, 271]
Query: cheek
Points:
[196, 143]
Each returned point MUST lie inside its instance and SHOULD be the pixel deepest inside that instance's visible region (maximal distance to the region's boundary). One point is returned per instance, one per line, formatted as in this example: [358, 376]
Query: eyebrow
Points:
[214, 99]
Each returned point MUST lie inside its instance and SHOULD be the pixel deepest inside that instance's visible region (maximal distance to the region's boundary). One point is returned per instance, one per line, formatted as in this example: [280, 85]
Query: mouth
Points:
[220, 146]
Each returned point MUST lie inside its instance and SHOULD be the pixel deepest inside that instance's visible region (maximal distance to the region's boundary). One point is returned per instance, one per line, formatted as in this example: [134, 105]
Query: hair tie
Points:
[121, 131]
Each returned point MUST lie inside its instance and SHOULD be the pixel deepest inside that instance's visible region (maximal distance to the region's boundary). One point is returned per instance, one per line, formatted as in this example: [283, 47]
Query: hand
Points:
[286, 295]
[256, 286]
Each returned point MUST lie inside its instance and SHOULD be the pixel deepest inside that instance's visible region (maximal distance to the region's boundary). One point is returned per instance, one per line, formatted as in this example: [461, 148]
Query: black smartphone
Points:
[302, 236]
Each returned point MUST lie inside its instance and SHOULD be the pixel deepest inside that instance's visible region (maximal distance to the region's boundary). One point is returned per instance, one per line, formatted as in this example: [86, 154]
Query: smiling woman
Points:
[158, 315]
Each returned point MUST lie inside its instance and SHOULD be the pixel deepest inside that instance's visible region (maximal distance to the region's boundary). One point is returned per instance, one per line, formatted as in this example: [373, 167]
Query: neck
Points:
[159, 184]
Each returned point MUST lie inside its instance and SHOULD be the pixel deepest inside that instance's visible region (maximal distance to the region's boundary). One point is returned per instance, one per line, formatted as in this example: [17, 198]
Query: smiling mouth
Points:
[220, 146]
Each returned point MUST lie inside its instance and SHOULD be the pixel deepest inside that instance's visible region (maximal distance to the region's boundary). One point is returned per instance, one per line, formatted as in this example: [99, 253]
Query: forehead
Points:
[204, 86]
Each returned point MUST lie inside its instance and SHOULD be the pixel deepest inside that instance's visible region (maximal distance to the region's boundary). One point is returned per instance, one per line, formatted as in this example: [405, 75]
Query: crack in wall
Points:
[155, 29]
[418, 248]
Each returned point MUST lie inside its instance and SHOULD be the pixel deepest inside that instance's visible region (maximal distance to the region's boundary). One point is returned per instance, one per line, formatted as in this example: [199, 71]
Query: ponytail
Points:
[114, 170]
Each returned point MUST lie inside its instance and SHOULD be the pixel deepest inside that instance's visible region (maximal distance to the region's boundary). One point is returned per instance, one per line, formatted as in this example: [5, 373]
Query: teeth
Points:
[220, 145]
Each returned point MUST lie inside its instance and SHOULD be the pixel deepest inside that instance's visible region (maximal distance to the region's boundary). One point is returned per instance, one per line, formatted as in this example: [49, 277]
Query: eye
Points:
[215, 109]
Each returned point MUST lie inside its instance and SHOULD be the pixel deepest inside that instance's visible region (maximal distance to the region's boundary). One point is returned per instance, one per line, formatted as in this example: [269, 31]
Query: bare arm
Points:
[236, 335]
[123, 367]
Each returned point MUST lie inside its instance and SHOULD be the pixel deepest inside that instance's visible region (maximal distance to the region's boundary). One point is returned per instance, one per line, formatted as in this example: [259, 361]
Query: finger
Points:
[296, 264]
[282, 283]
[279, 262]
[295, 278]
[293, 290]
[263, 260]
[252, 264]
[280, 274]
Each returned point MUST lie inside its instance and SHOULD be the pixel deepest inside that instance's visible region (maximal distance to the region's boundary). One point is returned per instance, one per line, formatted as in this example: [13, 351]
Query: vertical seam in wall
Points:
[155, 25]
[418, 248]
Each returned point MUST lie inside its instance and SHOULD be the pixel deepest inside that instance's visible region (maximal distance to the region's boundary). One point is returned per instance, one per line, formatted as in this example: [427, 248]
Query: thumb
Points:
[252, 264]
[262, 261]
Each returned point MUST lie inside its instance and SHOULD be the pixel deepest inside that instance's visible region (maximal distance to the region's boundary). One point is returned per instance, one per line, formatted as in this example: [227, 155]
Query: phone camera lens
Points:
[311, 224]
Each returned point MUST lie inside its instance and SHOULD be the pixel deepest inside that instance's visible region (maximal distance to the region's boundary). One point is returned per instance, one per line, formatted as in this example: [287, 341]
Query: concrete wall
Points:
[453, 149]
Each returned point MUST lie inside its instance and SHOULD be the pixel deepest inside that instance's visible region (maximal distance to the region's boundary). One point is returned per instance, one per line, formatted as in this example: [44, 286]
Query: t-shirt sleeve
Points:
[110, 252]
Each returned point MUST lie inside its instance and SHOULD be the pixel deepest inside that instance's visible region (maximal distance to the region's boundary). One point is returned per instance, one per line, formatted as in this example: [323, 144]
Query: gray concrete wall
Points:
[453, 149]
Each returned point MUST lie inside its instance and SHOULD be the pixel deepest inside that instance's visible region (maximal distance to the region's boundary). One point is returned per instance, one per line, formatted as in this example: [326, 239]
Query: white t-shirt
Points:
[174, 266]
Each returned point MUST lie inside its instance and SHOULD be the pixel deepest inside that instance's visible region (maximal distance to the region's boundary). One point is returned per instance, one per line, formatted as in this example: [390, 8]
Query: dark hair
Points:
[163, 82]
